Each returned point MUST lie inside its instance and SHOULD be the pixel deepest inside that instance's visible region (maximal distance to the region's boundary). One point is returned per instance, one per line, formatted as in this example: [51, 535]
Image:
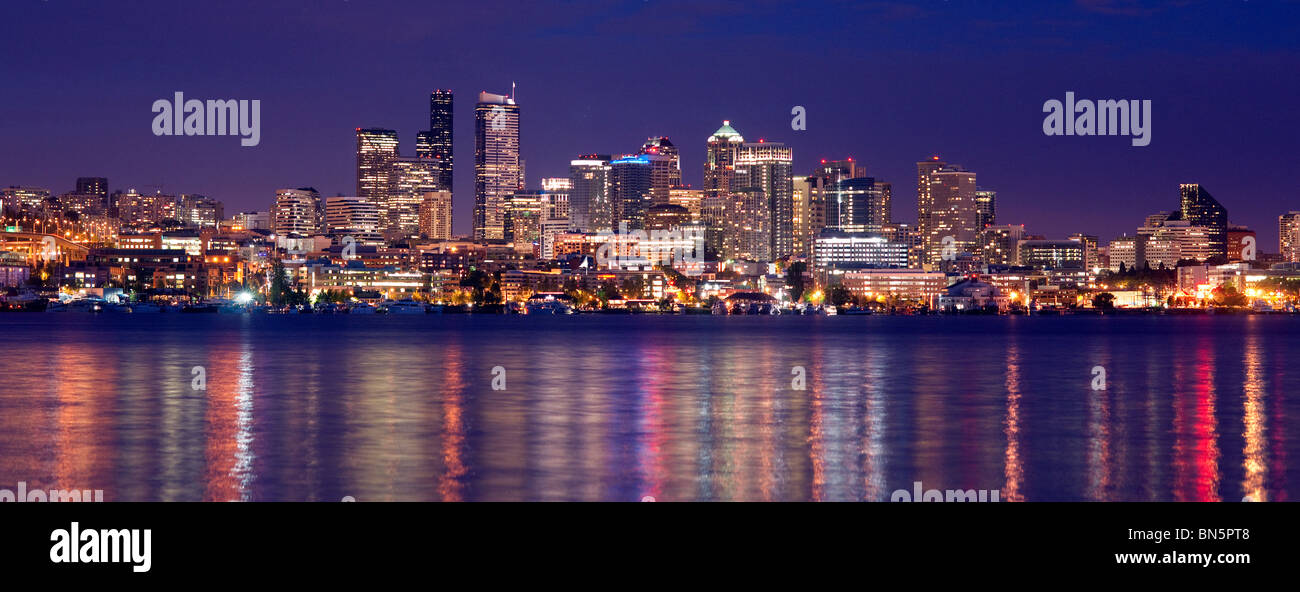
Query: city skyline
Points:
[1056, 186]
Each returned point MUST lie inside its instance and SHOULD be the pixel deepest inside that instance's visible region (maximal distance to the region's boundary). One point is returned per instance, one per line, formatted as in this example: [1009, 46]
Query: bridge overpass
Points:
[33, 244]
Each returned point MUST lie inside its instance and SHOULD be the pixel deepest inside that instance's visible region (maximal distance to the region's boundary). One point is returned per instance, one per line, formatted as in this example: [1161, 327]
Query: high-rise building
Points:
[998, 244]
[1090, 254]
[436, 143]
[82, 203]
[200, 211]
[801, 192]
[945, 208]
[721, 149]
[858, 204]
[1051, 254]
[667, 173]
[1238, 237]
[906, 234]
[631, 181]
[435, 215]
[555, 212]
[296, 211]
[498, 171]
[408, 180]
[1166, 240]
[1288, 236]
[376, 150]
[828, 174]
[523, 222]
[24, 197]
[94, 186]
[253, 220]
[144, 209]
[555, 198]
[589, 206]
[1125, 251]
[765, 169]
[985, 209]
[353, 216]
[1199, 208]
[691, 199]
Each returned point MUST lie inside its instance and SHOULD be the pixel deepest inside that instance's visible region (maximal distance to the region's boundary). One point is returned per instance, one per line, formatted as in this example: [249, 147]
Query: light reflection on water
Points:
[617, 407]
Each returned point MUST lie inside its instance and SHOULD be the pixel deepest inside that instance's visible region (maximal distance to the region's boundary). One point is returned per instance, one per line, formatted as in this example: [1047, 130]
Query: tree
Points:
[795, 280]
[607, 291]
[1104, 301]
[1226, 295]
[279, 290]
[839, 295]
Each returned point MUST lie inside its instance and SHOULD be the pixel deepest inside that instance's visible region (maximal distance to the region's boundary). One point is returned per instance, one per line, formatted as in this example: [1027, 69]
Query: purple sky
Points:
[887, 83]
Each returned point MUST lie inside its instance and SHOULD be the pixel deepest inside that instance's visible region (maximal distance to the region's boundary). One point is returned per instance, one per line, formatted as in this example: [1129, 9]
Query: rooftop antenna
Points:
[512, 90]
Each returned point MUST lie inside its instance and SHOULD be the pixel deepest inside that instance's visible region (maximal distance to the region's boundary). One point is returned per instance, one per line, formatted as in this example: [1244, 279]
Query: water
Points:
[599, 407]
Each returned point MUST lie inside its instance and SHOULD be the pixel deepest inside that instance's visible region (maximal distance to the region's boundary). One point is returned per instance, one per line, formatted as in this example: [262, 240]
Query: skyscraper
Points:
[999, 244]
[946, 207]
[436, 143]
[409, 179]
[352, 216]
[376, 150]
[630, 188]
[435, 215]
[986, 209]
[765, 169]
[1200, 208]
[498, 172]
[719, 171]
[524, 217]
[296, 211]
[1288, 236]
[94, 186]
[589, 207]
[858, 204]
[667, 172]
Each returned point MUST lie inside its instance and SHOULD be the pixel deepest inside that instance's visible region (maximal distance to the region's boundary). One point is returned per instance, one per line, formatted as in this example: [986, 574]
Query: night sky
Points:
[888, 83]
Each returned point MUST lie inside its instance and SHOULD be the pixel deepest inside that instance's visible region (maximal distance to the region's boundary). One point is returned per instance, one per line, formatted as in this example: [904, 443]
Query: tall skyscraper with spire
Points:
[498, 170]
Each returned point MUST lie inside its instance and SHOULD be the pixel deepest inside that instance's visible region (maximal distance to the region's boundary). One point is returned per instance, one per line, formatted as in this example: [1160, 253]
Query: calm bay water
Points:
[599, 407]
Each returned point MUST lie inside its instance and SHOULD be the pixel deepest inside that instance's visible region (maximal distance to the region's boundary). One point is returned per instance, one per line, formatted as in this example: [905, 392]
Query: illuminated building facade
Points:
[498, 170]
[435, 215]
[296, 211]
[589, 207]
